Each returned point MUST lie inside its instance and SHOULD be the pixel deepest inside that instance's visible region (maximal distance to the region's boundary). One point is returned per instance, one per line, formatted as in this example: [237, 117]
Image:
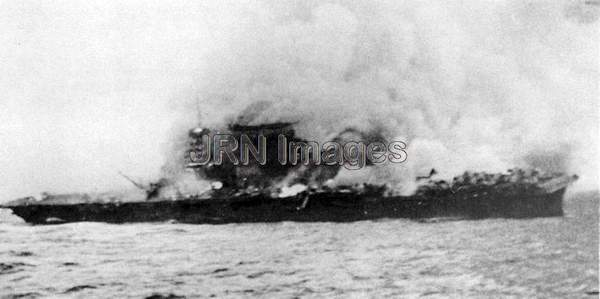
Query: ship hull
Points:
[318, 207]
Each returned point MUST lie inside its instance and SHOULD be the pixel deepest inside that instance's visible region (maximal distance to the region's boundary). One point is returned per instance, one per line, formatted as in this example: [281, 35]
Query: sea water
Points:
[502, 258]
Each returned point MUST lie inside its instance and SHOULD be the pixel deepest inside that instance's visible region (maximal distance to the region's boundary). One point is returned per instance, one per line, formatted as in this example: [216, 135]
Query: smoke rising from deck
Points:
[91, 89]
[471, 86]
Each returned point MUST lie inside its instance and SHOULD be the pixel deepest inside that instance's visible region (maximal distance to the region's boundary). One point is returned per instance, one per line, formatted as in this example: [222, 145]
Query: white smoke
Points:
[481, 86]
[93, 88]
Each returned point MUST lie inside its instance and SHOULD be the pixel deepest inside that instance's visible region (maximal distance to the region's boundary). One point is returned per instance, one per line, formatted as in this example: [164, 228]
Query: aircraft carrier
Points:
[254, 193]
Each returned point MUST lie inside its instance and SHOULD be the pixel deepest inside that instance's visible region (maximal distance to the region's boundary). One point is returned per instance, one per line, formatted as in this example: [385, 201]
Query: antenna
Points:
[138, 185]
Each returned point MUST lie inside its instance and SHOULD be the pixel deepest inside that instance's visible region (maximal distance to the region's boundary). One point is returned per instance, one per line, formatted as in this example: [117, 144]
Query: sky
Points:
[96, 87]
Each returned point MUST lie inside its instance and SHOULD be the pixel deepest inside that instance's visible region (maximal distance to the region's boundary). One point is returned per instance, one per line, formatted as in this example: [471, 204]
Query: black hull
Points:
[333, 207]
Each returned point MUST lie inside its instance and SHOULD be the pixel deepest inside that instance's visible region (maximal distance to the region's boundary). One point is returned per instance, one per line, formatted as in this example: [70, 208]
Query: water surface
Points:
[544, 257]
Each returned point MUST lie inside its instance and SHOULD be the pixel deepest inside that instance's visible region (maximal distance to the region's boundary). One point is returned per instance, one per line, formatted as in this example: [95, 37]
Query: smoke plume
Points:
[470, 86]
